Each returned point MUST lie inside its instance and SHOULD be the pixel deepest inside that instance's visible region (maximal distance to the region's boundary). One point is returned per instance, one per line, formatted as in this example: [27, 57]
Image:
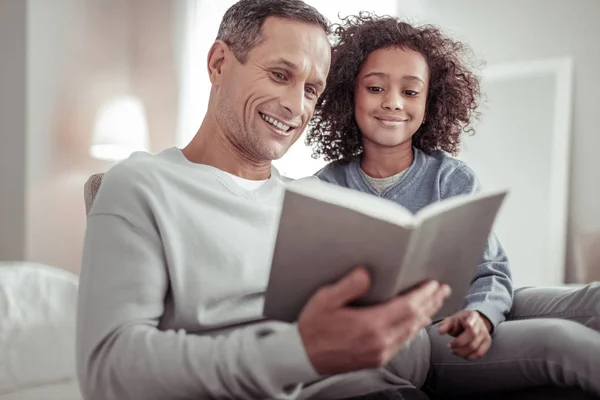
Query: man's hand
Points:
[339, 338]
[472, 332]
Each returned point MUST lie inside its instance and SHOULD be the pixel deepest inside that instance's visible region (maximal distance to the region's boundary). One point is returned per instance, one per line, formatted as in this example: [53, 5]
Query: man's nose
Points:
[294, 100]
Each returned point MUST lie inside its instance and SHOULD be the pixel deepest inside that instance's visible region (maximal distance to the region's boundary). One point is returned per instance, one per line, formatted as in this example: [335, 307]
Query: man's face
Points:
[264, 105]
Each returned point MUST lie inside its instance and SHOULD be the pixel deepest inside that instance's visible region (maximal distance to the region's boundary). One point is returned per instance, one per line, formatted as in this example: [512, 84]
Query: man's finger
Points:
[411, 304]
[438, 298]
[445, 291]
[427, 298]
[418, 305]
[439, 295]
[423, 292]
[351, 287]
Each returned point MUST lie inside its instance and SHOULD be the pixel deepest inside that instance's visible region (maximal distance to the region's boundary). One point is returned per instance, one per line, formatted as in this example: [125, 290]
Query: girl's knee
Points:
[562, 338]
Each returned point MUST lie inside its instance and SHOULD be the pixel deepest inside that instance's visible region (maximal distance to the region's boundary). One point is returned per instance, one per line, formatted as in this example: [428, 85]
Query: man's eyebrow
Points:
[294, 67]
[286, 62]
[384, 75]
[319, 84]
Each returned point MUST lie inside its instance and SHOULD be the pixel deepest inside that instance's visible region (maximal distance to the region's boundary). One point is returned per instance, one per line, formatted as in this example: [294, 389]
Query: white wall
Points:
[81, 52]
[13, 15]
[78, 56]
[515, 30]
[60, 61]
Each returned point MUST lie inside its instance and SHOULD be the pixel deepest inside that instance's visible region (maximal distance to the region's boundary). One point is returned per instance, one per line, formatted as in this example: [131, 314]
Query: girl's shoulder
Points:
[454, 175]
[448, 165]
[337, 171]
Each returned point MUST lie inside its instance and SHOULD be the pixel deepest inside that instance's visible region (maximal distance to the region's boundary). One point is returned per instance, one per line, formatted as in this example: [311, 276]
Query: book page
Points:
[454, 202]
[318, 243]
[365, 203]
[448, 246]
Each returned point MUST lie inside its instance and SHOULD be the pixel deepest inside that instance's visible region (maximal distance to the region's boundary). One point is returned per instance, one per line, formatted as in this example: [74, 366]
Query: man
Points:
[177, 249]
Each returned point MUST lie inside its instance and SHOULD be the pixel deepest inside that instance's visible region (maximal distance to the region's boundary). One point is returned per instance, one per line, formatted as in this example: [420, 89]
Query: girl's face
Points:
[390, 96]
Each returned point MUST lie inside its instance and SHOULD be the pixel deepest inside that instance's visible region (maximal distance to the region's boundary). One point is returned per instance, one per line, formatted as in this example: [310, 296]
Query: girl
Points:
[397, 101]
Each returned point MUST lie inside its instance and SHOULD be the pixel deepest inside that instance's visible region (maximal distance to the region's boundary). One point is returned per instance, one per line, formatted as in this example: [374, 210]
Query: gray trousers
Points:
[551, 336]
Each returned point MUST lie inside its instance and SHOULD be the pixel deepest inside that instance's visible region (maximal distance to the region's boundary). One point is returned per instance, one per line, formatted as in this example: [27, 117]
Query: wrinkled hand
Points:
[339, 338]
[472, 332]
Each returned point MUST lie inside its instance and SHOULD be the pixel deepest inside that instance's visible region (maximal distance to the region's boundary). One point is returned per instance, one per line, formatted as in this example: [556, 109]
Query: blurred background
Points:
[83, 83]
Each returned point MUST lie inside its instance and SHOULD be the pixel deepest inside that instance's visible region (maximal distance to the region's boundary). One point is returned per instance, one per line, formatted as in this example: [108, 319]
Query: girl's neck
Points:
[383, 162]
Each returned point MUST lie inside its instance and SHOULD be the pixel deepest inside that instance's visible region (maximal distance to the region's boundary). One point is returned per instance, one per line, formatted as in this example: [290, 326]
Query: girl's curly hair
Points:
[452, 97]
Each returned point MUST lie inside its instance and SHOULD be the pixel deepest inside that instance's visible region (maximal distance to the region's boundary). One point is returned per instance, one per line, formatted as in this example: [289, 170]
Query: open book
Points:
[325, 231]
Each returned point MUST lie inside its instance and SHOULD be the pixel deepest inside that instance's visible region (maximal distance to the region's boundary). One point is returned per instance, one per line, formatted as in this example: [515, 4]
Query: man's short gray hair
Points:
[242, 23]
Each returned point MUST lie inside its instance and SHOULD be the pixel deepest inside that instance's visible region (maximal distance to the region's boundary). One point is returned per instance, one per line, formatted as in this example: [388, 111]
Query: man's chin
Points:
[274, 152]
[277, 155]
[276, 149]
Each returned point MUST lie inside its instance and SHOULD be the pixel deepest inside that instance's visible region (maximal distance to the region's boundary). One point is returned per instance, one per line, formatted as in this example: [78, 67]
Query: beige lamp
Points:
[120, 129]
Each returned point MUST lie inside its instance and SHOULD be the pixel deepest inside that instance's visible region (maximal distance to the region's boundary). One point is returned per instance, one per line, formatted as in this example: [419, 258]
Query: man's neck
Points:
[210, 147]
[383, 162]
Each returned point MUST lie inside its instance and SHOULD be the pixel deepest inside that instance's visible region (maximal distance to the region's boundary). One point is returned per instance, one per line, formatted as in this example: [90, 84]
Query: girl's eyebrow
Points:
[384, 75]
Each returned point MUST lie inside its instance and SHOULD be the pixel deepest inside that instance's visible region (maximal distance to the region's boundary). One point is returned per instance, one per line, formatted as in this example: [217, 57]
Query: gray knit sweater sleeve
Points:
[491, 291]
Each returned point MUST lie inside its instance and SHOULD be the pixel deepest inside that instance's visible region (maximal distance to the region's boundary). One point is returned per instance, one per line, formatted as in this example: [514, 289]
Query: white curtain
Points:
[200, 21]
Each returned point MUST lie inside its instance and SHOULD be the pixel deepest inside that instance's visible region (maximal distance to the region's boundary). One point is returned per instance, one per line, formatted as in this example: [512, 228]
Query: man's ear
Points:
[217, 56]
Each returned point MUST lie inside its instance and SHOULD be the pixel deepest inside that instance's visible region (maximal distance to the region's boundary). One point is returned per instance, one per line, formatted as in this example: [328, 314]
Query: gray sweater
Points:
[432, 178]
[175, 264]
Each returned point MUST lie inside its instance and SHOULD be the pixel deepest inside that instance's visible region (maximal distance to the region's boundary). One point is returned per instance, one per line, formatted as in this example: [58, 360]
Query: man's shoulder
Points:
[131, 180]
[136, 170]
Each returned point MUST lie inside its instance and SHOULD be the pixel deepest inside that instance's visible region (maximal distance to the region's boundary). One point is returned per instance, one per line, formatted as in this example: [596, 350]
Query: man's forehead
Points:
[292, 34]
[295, 44]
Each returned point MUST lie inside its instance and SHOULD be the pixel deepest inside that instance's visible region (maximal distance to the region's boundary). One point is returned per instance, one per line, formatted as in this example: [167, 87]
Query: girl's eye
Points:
[411, 92]
[374, 89]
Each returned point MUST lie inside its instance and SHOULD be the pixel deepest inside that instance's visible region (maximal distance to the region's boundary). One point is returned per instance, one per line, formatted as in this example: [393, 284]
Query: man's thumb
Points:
[350, 287]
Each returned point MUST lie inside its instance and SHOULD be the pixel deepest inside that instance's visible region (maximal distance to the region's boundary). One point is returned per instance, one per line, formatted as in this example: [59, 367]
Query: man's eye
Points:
[374, 89]
[311, 91]
[279, 76]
